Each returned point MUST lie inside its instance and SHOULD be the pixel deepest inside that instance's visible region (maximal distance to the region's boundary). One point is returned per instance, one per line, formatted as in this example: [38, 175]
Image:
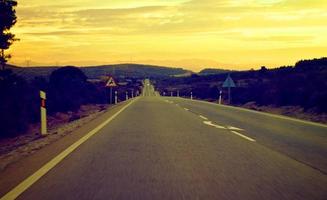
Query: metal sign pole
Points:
[229, 95]
[229, 83]
[110, 101]
[116, 97]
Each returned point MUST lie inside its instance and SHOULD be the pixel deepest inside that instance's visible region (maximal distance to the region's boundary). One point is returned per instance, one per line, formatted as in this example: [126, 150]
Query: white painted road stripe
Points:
[263, 113]
[186, 109]
[19, 189]
[234, 128]
[214, 125]
[203, 117]
[243, 136]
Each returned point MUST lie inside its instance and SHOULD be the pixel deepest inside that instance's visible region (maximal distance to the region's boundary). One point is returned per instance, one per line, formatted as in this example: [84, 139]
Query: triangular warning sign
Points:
[229, 82]
[111, 82]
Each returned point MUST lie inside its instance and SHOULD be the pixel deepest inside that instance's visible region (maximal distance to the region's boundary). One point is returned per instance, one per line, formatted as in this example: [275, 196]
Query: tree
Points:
[7, 20]
[68, 89]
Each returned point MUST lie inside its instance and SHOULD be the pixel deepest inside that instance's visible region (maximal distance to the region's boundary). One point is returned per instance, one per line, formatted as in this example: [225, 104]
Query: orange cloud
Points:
[192, 34]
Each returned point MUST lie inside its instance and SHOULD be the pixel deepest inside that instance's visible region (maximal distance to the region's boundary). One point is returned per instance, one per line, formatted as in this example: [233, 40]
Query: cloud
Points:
[179, 29]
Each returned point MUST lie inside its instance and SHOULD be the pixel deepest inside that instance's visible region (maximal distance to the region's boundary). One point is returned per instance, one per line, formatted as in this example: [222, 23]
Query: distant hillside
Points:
[120, 70]
[210, 71]
[303, 85]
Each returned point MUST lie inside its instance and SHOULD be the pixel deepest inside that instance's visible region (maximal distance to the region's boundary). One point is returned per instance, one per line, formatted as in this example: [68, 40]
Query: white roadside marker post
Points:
[191, 95]
[116, 97]
[126, 96]
[43, 113]
[177, 93]
[171, 94]
[220, 93]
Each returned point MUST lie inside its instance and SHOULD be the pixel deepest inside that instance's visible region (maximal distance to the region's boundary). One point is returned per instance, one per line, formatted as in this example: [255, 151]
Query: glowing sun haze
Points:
[194, 34]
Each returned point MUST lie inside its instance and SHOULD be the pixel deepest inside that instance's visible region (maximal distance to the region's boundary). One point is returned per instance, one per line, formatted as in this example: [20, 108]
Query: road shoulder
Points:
[16, 172]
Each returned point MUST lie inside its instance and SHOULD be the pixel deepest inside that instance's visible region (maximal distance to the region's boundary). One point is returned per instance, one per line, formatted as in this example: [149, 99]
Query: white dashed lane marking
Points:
[243, 136]
[203, 117]
[209, 123]
[234, 128]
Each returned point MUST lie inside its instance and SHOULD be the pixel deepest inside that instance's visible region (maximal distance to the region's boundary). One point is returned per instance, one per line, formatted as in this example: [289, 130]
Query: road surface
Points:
[174, 148]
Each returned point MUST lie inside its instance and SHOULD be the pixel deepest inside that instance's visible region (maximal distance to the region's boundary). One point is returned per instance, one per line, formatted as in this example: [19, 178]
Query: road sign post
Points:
[110, 98]
[111, 83]
[229, 83]
[43, 113]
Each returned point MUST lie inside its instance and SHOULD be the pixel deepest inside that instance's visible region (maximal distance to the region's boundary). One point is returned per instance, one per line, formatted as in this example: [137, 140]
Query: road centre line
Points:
[230, 128]
[236, 133]
[234, 128]
[262, 113]
[209, 123]
[203, 117]
[28, 182]
[243, 136]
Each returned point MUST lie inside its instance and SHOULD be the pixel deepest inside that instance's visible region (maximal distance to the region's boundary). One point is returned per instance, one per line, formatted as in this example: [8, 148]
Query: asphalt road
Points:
[174, 148]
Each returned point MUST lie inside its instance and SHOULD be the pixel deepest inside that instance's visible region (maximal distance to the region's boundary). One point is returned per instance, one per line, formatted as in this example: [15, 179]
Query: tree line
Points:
[301, 85]
[67, 89]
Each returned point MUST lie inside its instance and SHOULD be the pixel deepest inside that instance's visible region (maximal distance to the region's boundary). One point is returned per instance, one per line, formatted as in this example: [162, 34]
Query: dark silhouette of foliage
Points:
[303, 85]
[7, 20]
[68, 89]
[14, 105]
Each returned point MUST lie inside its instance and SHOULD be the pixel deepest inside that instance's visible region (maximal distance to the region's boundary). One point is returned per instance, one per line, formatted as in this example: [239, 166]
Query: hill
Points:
[303, 85]
[92, 72]
[210, 71]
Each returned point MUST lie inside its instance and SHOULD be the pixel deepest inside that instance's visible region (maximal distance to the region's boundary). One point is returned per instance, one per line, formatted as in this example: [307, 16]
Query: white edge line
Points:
[203, 117]
[186, 109]
[28, 182]
[243, 136]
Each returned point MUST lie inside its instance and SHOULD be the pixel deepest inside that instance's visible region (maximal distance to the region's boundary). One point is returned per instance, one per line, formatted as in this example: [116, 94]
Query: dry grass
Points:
[59, 125]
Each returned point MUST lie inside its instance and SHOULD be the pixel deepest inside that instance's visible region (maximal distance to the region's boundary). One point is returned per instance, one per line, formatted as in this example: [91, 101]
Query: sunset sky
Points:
[194, 34]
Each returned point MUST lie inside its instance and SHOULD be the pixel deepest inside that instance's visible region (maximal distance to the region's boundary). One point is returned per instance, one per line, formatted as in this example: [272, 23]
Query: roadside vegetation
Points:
[300, 88]
[67, 89]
